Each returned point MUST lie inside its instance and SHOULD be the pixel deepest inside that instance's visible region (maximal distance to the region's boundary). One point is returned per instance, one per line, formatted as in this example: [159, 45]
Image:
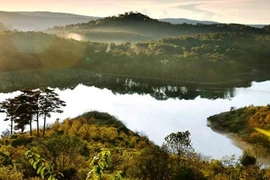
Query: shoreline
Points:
[261, 156]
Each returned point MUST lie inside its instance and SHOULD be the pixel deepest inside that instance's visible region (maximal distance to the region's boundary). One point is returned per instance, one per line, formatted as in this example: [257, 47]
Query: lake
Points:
[158, 118]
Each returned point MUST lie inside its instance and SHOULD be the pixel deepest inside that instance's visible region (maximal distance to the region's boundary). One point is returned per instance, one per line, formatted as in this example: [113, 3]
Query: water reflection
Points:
[163, 90]
[144, 112]
[157, 118]
[160, 89]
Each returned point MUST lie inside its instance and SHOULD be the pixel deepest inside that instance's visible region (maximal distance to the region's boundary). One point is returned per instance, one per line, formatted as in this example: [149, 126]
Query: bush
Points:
[9, 173]
[247, 160]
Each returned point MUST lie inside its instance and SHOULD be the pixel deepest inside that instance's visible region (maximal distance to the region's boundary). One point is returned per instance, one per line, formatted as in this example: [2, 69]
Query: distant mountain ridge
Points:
[42, 20]
[52, 14]
[187, 21]
[37, 21]
[194, 22]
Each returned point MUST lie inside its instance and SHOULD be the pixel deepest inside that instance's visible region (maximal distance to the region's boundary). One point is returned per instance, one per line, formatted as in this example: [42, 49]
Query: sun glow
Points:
[75, 36]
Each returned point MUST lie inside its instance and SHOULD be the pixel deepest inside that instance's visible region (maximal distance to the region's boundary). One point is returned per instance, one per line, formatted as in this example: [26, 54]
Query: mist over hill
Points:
[4, 27]
[136, 27]
[37, 21]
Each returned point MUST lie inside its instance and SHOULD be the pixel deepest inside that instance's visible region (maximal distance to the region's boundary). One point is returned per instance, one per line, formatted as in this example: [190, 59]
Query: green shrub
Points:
[9, 173]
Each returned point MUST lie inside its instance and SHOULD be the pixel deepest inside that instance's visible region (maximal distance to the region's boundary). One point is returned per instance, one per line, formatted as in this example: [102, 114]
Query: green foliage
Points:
[247, 160]
[20, 140]
[41, 166]
[7, 107]
[61, 150]
[118, 176]
[99, 164]
[49, 102]
[178, 143]
[233, 121]
[103, 119]
[10, 173]
[22, 108]
[150, 163]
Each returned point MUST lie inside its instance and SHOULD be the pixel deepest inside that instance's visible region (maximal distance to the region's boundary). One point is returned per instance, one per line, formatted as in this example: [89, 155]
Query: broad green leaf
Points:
[51, 177]
[31, 161]
[36, 164]
[39, 169]
[43, 172]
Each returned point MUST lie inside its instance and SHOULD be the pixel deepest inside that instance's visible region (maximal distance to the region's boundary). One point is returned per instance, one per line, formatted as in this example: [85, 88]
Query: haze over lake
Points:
[156, 118]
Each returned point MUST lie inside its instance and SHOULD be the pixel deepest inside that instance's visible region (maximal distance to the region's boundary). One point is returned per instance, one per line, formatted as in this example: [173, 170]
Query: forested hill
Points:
[206, 58]
[242, 122]
[98, 146]
[267, 29]
[134, 27]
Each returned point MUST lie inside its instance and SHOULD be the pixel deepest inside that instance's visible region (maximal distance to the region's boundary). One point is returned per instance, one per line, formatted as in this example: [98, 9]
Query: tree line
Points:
[29, 106]
[203, 58]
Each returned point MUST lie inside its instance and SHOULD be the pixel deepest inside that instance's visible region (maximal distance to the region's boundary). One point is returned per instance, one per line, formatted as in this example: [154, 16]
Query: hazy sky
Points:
[235, 11]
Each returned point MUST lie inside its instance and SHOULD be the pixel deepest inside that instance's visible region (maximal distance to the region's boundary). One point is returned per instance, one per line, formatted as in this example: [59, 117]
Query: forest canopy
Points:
[202, 58]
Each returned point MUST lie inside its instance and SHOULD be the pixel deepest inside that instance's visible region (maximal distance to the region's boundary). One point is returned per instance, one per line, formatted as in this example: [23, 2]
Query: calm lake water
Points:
[157, 118]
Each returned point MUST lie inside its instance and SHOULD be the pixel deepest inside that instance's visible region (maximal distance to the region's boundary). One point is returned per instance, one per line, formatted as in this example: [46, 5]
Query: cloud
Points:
[227, 11]
[146, 11]
[194, 7]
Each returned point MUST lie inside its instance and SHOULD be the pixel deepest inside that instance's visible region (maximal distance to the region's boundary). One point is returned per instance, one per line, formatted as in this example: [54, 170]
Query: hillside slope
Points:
[210, 59]
[69, 147]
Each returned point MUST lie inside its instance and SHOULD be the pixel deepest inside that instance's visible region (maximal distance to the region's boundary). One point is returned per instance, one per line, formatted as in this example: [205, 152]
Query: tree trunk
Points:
[37, 125]
[44, 126]
[11, 126]
[30, 123]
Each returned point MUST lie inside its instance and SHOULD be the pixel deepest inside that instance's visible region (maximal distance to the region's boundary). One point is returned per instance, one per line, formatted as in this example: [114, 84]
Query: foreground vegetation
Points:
[69, 147]
[243, 123]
